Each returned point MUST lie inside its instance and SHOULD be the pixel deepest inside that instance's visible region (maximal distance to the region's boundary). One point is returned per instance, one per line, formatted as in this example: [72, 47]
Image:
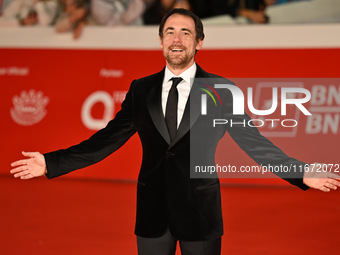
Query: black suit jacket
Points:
[166, 195]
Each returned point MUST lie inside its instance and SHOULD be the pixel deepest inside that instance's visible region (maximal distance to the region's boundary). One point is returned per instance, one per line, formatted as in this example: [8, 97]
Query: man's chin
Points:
[176, 61]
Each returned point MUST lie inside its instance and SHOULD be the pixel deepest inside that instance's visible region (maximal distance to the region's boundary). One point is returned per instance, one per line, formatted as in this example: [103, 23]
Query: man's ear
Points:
[199, 44]
[160, 42]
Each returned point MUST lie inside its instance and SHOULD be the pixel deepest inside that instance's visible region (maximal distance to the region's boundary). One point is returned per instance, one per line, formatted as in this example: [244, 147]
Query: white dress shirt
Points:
[183, 89]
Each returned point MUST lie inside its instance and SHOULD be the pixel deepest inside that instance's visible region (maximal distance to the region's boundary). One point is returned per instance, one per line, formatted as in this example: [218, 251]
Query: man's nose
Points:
[177, 38]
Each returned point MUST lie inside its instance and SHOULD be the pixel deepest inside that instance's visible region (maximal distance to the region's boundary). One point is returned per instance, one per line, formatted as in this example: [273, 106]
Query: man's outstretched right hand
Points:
[33, 166]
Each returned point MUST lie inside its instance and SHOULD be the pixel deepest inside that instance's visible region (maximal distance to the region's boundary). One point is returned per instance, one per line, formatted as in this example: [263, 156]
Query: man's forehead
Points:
[179, 21]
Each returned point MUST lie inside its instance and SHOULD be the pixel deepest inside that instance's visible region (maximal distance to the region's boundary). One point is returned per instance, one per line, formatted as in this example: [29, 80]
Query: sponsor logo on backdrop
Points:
[14, 71]
[29, 107]
[325, 107]
[111, 73]
[101, 97]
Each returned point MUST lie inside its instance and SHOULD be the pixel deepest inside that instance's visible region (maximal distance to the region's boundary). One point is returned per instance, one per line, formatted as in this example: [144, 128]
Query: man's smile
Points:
[176, 50]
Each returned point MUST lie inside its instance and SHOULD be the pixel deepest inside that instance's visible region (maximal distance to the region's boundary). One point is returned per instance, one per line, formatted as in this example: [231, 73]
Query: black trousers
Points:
[166, 245]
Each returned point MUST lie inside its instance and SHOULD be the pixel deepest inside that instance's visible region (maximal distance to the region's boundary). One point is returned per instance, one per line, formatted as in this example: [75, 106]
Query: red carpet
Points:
[97, 217]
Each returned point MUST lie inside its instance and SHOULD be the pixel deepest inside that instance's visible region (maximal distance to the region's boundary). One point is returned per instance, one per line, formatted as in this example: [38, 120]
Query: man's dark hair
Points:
[184, 12]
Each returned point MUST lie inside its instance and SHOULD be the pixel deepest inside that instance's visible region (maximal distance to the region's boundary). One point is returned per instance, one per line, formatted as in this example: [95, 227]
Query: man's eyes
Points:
[171, 33]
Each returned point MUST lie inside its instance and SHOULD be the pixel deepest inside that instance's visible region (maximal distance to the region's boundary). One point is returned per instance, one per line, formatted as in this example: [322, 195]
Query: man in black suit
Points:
[171, 206]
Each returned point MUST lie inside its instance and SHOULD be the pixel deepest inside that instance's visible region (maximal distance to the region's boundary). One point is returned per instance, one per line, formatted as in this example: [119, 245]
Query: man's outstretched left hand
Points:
[320, 176]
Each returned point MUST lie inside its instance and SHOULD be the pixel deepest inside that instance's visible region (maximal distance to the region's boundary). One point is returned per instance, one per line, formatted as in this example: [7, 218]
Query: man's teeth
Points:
[177, 50]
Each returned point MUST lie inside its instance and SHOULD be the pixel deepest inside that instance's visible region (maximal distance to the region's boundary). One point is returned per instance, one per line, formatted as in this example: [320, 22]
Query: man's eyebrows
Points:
[169, 28]
[186, 29]
[183, 29]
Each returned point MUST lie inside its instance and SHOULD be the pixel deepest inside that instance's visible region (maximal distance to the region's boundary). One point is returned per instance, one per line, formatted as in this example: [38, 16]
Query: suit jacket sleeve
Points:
[98, 146]
[260, 149]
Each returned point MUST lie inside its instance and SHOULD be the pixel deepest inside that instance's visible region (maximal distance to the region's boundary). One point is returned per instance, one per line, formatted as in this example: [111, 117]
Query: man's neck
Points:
[177, 70]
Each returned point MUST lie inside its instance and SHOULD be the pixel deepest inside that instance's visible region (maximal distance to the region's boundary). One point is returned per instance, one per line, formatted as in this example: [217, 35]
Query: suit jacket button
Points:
[169, 154]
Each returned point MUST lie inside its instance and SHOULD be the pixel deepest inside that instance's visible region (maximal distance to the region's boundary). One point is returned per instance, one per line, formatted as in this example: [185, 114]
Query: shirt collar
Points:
[187, 75]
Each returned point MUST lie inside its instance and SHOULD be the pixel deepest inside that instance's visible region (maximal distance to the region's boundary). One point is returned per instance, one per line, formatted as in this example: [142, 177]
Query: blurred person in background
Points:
[3, 4]
[253, 10]
[287, 1]
[29, 12]
[72, 16]
[156, 9]
[117, 12]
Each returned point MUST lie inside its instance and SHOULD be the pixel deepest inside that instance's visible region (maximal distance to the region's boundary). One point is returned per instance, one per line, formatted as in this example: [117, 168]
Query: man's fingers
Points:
[24, 161]
[33, 166]
[27, 176]
[21, 162]
[29, 154]
[21, 173]
[322, 180]
[19, 169]
[325, 189]
[330, 186]
[333, 182]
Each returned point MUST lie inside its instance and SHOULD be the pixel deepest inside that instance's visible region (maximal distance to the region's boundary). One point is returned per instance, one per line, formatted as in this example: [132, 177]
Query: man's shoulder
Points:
[212, 75]
[152, 77]
[143, 84]
[203, 74]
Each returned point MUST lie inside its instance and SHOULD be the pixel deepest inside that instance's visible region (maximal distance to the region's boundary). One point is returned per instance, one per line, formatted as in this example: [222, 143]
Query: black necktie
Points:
[171, 108]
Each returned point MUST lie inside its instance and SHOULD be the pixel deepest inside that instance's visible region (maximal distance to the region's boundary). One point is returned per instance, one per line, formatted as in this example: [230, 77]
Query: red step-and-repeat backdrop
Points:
[54, 98]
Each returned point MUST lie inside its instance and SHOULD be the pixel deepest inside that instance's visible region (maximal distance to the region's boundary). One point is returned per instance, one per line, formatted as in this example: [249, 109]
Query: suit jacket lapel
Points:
[154, 103]
[191, 112]
[192, 108]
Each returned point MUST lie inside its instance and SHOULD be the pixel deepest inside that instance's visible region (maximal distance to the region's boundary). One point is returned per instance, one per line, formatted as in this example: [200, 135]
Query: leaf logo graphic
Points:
[210, 94]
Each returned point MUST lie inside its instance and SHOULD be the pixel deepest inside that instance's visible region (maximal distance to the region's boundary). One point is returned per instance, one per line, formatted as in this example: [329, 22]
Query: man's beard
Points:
[178, 61]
